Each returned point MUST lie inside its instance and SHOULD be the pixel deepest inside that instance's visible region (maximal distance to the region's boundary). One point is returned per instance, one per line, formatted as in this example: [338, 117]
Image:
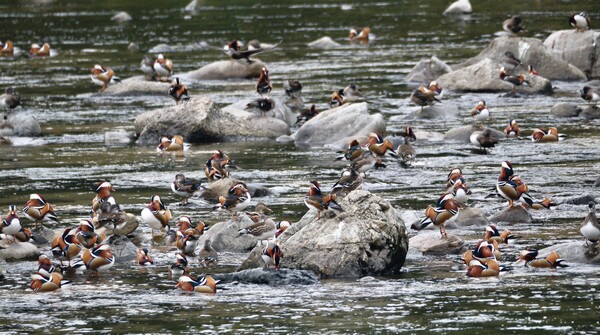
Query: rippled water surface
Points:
[431, 295]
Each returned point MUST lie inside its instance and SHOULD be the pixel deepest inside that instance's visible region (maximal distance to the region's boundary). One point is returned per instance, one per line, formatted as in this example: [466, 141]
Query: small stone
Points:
[121, 17]
[431, 243]
[515, 214]
[459, 7]
[133, 47]
[324, 43]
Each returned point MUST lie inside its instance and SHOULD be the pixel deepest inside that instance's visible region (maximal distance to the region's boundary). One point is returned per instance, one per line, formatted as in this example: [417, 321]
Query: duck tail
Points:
[422, 224]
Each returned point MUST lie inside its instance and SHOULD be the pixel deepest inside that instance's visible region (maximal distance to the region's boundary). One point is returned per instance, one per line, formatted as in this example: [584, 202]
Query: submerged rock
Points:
[119, 137]
[339, 125]
[577, 48]
[531, 51]
[565, 109]
[225, 69]
[431, 243]
[281, 277]
[515, 214]
[224, 236]
[324, 42]
[367, 238]
[583, 199]
[21, 124]
[575, 252]
[121, 17]
[122, 248]
[427, 70]
[459, 7]
[18, 251]
[137, 85]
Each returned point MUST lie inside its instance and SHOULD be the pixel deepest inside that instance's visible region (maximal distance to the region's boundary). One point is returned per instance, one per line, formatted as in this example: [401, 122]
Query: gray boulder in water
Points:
[463, 134]
[431, 243]
[225, 69]
[122, 248]
[21, 124]
[427, 70]
[565, 110]
[324, 42]
[515, 214]
[225, 236]
[272, 277]
[575, 252]
[137, 85]
[577, 48]
[18, 251]
[281, 111]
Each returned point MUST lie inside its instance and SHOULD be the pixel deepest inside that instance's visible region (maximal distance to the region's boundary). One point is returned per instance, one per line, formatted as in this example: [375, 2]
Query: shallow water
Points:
[430, 295]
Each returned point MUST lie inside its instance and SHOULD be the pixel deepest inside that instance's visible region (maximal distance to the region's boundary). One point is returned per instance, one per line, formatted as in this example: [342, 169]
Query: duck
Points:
[511, 188]
[142, 257]
[104, 191]
[513, 25]
[454, 176]
[10, 99]
[365, 162]
[259, 212]
[351, 92]
[11, 224]
[272, 254]
[186, 226]
[426, 96]
[349, 181]
[544, 204]
[292, 88]
[532, 71]
[205, 284]
[65, 246]
[314, 199]
[282, 226]
[163, 67]
[478, 269]
[86, 235]
[262, 229]
[480, 112]
[36, 51]
[446, 208]
[23, 235]
[38, 210]
[493, 235]
[156, 215]
[8, 49]
[380, 147]
[483, 252]
[261, 105]
[173, 143]
[185, 187]
[590, 228]
[47, 281]
[147, 67]
[484, 139]
[111, 217]
[238, 198]
[218, 165]
[354, 151]
[362, 36]
[208, 256]
[103, 76]
[581, 21]
[553, 259]
[99, 258]
[186, 242]
[178, 91]
[233, 50]
[405, 151]
[180, 267]
[541, 135]
[337, 99]
[512, 79]
[263, 86]
[512, 129]
[461, 192]
[590, 94]
[509, 59]
[306, 115]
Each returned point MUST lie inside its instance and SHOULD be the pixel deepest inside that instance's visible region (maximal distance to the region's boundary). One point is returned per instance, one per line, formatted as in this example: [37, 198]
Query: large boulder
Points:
[463, 134]
[21, 124]
[138, 85]
[565, 110]
[471, 216]
[531, 51]
[225, 69]
[18, 251]
[324, 42]
[367, 238]
[224, 236]
[574, 252]
[281, 277]
[483, 76]
[431, 243]
[577, 48]
[281, 111]
[200, 120]
[515, 214]
[122, 248]
[427, 70]
[339, 125]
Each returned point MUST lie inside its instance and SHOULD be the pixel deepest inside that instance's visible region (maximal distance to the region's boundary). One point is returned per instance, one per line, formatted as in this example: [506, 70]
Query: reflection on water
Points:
[430, 295]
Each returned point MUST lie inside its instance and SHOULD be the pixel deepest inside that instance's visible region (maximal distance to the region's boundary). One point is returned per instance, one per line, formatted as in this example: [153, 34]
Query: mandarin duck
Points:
[263, 86]
[142, 257]
[233, 50]
[238, 198]
[510, 59]
[553, 259]
[272, 254]
[513, 25]
[185, 187]
[11, 224]
[426, 96]
[173, 143]
[156, 215]
[511, 188]
[513, 79]
[111, 217]
[218, 165]
[454, 176]
[47, 281]
[354, 151]
[581, 22]
[362, 36]
[262, 105]
[103, 194]
[492, 234]
[103, 76]
[306, 115]
[314, 199]
[208, 256]
[541, 135]
[590, 94]
[532, 71]
[282, 226]
[337, 98]
[86, 235]
[405, 151]
[10, 99]
[349, 181]
[66, 246]
[178, 91]
[484, 139]
[187, 242]
[38, 210]
[203, 284]
[446, 209]
[512, 129]
[98, 258]
[147, 67]
[23, 235]
[180, 267]
[292, 88]
[380, 148]
[461, 192]
[36, 51]
[163, 67]
[7, 50]
[480, 112]
[478, 269]
[544, 204]
[590, 228]
[263, 226]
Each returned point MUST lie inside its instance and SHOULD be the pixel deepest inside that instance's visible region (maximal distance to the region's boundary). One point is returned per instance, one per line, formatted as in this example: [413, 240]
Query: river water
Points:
[431, 295]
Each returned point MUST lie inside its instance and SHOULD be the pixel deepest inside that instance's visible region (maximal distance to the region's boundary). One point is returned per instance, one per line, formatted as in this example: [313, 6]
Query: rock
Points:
[122, 248]
[459, 7]
[200, 120]
[515, 214]
[368, 238]
[121, 17]
[339, 125]
[257, 190]
[44, 235]
[192, 6]
[577, 48]
[225, 69]
[565, 109]
[431, 243]
[224, 236]
[21, 251]
[21, 124]
[436, 112]
[531, 51]
[138, 85]
[133, 222]
[463, 134]
[281, 111]
[574, 252]
[590, 113]
[281, 277]
[471, 216]
[284, 139]
[597, 182]
[120, 137]
[221, 186]
[427, 70]
[133, 47]
[483, 76]
[161, 48]
[584, 199]
[324, 42]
